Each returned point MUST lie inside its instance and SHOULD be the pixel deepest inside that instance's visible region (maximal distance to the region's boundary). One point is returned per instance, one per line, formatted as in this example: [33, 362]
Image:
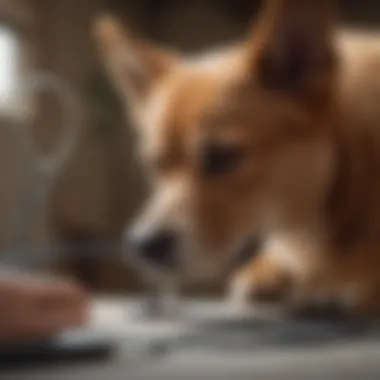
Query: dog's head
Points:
[236, 142]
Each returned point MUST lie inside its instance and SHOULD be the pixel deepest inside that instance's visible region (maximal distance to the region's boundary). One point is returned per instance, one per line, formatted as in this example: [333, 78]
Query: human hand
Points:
[38, 308]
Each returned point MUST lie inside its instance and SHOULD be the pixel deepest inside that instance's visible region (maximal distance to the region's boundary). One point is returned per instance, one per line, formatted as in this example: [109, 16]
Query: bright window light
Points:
[9, 72]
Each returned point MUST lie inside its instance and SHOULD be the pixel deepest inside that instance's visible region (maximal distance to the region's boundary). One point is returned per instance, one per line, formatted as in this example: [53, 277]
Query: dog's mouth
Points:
[156, 273]
[247, 252]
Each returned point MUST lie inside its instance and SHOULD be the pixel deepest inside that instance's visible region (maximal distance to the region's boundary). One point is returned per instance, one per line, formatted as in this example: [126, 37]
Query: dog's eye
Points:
[220, 159]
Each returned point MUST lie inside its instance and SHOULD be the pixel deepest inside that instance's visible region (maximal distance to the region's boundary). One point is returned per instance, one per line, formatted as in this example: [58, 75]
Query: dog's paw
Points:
[261, 282]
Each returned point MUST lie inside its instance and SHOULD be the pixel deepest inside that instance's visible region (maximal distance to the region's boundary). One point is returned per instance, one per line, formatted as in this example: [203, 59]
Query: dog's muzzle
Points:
[158, 248]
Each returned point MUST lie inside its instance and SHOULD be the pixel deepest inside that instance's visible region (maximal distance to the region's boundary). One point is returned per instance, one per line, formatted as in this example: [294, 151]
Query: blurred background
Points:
[100, 188]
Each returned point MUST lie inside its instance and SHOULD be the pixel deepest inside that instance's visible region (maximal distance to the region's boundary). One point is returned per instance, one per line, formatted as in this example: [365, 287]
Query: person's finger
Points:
[46, 326]
[29, 288]
[54, 296]
[47, 287]
[51, 307]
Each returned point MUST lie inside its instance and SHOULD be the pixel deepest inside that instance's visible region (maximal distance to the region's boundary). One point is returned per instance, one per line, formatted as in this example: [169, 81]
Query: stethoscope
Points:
[46, 167]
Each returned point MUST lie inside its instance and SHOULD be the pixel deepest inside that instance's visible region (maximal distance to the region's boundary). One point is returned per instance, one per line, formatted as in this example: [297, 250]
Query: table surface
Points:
[212, 340]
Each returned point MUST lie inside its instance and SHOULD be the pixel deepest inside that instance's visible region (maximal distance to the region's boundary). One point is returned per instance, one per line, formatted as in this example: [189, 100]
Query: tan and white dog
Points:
[277, 137]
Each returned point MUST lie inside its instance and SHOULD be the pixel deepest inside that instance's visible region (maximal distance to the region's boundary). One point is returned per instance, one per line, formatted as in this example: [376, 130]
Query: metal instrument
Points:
[46, 167]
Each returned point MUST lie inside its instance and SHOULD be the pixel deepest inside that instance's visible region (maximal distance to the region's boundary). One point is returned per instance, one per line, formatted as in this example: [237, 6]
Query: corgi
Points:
[273, 139]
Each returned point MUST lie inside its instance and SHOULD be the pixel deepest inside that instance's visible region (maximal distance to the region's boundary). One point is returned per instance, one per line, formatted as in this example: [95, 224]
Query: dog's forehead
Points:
[178, 103]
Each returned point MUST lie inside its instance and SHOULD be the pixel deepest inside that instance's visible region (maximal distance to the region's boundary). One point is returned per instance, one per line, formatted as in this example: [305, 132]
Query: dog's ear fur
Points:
[133, 65]
[293, 43]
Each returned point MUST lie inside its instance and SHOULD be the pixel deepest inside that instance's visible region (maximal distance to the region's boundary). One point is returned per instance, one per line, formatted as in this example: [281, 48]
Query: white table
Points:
[355, 358]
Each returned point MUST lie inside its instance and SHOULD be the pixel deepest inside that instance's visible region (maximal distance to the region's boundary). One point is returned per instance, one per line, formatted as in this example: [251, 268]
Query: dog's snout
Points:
[158, 248]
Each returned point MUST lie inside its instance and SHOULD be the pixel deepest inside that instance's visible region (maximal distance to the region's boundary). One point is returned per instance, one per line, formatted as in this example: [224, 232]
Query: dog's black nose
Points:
[156, 248]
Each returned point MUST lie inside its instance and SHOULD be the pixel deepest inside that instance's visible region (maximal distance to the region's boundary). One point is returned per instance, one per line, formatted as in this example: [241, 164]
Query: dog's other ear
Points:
[133, 65]
[293, 43]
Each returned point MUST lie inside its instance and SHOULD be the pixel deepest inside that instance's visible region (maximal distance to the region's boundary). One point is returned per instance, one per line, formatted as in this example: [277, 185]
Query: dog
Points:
[276, 139]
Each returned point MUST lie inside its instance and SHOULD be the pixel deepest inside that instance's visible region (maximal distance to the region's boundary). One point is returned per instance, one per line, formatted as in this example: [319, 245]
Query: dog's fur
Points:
[300, 99]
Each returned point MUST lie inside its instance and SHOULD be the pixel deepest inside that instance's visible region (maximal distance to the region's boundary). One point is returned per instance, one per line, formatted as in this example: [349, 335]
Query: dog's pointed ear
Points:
[293, 43]
[133, 65]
